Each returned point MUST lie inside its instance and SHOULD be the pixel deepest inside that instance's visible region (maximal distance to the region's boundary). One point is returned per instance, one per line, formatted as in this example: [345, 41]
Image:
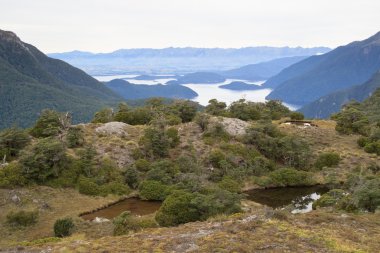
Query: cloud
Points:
[107, 25]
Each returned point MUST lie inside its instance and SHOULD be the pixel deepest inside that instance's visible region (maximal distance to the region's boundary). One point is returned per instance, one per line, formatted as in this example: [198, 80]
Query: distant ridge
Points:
[178, 60]
[318, 76]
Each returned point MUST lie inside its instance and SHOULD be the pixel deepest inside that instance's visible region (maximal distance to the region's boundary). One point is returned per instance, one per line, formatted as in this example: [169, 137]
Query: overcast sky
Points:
[107, 25]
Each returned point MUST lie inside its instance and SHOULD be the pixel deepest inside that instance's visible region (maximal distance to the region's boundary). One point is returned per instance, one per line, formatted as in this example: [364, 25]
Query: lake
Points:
[206, 92]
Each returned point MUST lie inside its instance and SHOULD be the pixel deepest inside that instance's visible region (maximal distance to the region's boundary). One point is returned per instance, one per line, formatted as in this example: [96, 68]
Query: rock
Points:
[113, 128]
[100, 220]
[15, 199]
[234, 127]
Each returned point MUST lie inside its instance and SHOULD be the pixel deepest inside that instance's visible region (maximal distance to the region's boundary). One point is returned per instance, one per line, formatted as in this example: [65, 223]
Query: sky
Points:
[108, 25]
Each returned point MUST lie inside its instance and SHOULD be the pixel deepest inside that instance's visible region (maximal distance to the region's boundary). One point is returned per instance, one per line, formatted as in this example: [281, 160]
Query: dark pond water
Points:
[300, 198]
[134, 205]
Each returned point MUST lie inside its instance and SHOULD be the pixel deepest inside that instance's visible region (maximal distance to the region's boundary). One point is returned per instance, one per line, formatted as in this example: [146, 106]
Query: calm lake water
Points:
[206, 92]
[300, 198]
[134, 205]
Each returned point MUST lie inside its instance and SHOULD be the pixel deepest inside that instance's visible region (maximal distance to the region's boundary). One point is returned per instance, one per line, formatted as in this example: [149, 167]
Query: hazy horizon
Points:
[101, 26]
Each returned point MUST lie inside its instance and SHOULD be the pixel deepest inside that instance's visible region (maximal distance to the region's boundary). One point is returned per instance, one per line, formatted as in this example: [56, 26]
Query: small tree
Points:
[75, 137]
[63, 227]
[12, 140]
[103, 116]
[50, 123]
[296, 116]
[327, 160]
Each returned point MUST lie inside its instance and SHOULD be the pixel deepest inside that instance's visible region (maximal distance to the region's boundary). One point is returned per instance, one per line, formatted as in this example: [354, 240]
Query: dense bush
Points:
[44, 161]
[22, 218]
[131, 177]
[172, 135]
[331, 198]
[63, 227]
[202, 120]
[155, 142]
[327, 160]
[216, 108]
[296, 116]
[367, 195]
[11, 176]
[88, 187]
[103, 116]
[351, 120]
[50, 123]
[229, 184]
[181, 206]
[74, 137]
[142, 165]
[290, 177]
[12, 140]
[153, 190]
[185, 109]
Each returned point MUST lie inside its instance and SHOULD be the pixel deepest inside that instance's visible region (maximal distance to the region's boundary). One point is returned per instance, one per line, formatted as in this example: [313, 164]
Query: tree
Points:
[44, 161]
[186, 110]
[50, 123]
[74, 137]
[12, 140]
[123, 114]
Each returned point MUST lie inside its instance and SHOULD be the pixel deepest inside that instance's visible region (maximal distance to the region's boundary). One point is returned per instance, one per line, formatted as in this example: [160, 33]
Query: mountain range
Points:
[178, 60]
[320, 75]
[30, 81]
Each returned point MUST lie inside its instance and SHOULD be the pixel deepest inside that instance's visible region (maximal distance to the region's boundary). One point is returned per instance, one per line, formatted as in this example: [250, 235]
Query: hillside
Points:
[31, 81]
[318, 76]
[261, 71]
[332, 103]
[138, 91]
[178, 60]
[240, 86]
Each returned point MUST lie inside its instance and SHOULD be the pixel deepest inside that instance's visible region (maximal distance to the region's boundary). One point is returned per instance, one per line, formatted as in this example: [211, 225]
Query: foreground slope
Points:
[31, 81]
[317, 76]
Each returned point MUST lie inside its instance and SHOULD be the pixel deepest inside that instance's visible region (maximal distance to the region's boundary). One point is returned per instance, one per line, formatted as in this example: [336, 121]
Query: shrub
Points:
[177, 209]
[88, 187]
[153, 190]
[12, 176]
[115, 188]
[186, 109]
[22, 218]
[74, 137]
[126, 222]
[172, 135]
[12, 140]
[187, 164]
[131, 177]
[296, 116]
[44, 161]
[216, 108]
[229, 184]
[142, 165]
[50, 123]
[103, 116]
[155, 142]
[63, 227]
[373, 147]
[330, 198]
[203, 121]
[367, 196]
[290, 177]
[327, 160]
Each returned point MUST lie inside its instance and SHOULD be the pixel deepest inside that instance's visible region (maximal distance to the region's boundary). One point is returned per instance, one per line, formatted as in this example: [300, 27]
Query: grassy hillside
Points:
[30, 82]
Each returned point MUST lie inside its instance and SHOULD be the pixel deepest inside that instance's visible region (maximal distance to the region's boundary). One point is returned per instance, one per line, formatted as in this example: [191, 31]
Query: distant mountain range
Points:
[262, 71]
[178, 60]
[30, 81]
[139, 91]
[318, 76]
[332, 103]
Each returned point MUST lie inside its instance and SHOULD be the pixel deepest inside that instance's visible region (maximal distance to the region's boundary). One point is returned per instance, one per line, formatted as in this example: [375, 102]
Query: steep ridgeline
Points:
[30, 81]
[138, 91]
[332, 103]
[318, 76]
[263, 70]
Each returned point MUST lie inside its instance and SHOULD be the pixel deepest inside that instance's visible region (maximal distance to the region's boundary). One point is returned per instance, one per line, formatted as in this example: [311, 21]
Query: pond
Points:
[134, 205]
[300, 198]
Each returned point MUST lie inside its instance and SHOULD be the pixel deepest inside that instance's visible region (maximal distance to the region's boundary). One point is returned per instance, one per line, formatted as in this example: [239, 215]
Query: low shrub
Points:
[290, 177]
[88, 187]
[327, 160]
[330, 198]
[126, 222]
[296, 116]
[153, 190]
[11, 176]
[63, 227]
[22, 218]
